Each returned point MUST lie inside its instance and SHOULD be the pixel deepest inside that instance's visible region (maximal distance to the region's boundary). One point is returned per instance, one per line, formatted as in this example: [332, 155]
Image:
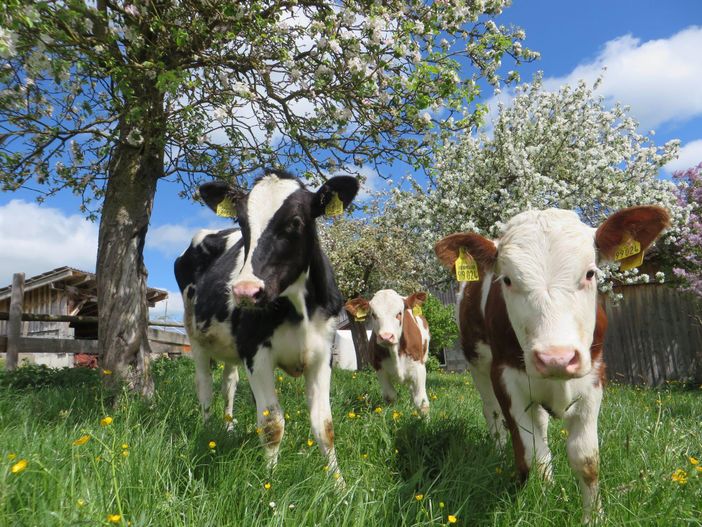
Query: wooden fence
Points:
[654, 335]
[13, 344]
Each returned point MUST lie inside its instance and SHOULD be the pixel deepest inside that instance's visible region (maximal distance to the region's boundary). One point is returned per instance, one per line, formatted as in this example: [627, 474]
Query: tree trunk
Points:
[121, 274]
[360, 343]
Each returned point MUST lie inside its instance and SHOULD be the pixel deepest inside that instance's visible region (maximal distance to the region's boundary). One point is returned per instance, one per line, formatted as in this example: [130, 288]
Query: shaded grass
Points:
[389, 459]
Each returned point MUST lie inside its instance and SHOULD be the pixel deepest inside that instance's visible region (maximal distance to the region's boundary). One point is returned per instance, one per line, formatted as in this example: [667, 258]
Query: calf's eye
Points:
[507, 281]
[589, 274]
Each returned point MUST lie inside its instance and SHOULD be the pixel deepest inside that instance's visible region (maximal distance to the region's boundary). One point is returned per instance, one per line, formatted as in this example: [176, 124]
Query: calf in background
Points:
[399, 343]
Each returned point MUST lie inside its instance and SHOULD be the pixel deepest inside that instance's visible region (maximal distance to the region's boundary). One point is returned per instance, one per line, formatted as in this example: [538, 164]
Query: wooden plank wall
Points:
[653, 337]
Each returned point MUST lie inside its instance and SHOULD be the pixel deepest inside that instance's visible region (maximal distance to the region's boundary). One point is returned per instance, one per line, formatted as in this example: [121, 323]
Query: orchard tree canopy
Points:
[547, 149]
[106, 97]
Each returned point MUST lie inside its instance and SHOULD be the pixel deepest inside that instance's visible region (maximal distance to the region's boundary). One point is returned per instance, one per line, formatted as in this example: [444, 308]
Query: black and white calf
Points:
[265, 296]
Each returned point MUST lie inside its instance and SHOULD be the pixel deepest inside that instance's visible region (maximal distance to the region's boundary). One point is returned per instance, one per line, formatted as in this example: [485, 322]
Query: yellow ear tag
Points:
[417, 310]
[335, 207]
[226, 209]
[361, 314]
[630, 254]
[466, 267]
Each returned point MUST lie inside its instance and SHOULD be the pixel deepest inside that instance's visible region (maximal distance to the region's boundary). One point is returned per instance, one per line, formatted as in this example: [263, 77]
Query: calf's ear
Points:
[214, 193]
[345, 187]
[483, 251]
[415, 299]
[642, 224]
[355, 305]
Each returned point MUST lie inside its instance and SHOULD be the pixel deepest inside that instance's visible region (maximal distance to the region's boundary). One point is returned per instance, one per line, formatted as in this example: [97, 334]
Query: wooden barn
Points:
[69, 292]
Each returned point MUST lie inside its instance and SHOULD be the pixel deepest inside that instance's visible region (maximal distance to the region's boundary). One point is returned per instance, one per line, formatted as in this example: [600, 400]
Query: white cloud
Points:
[690, 156]
[169, 309]
[35, 239]
[172, 239]
[659, 79]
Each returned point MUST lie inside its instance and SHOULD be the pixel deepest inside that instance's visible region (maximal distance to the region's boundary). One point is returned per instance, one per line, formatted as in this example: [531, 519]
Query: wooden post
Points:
[14, 325]
[360, 343]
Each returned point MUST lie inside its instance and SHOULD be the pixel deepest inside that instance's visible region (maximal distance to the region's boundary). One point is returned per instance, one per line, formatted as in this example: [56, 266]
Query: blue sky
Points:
[651, 50]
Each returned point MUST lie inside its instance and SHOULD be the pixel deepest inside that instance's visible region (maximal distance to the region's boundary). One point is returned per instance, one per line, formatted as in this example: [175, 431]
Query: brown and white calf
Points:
[399, 343]
[533, 331]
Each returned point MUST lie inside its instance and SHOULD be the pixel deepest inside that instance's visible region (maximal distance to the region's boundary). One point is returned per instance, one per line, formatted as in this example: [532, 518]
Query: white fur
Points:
[265, 199]
[546, 255]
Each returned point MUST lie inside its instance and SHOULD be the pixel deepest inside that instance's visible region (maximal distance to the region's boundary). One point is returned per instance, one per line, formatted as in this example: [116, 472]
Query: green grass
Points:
[171, 477]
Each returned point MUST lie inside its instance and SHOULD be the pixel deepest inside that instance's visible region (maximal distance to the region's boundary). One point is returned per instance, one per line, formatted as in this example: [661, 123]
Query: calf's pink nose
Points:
[387, 337]
[246, 290]
[557, 361]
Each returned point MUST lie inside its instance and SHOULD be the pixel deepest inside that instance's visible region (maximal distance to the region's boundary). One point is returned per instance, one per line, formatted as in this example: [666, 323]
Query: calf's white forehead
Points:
[387, 302]
[267, 196]
[538, 245]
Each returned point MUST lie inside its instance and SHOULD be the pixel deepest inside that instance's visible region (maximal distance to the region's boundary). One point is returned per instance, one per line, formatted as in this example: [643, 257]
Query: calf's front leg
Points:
[317, 387]
[271, 423]
[583, 450]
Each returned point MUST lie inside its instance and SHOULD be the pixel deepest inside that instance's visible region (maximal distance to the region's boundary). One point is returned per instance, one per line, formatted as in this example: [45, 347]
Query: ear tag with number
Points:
[335, 207]
[226, 209]
[417, 310]
[630, 254]
[361, 314]
[466, 267]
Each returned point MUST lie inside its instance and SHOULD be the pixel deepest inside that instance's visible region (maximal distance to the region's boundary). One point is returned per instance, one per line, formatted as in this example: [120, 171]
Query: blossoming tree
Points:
[105, 98]
[547, 149]
[689, 253]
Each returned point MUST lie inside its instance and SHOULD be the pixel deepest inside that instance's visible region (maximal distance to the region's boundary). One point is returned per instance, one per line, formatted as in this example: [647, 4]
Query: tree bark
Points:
[360, 343]
[121, 274]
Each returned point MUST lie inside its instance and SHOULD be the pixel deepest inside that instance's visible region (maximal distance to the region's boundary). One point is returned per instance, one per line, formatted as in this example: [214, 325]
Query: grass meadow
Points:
[153, 465]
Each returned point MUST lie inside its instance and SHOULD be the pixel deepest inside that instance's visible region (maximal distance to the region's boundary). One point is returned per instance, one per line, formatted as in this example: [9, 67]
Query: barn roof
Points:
[76, 282]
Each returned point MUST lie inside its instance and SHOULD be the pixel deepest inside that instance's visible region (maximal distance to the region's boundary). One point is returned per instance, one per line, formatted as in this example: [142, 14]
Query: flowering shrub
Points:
[548, 149]
[689, 253]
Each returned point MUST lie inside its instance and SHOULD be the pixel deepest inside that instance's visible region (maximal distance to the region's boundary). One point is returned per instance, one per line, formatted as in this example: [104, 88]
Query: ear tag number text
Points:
[335, 207]
[466, 267]
[361, 314]
[226, 209]
[630, 254]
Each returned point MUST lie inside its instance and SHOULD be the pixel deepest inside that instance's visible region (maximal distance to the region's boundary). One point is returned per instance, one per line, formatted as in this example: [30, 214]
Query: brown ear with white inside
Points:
[415, 299]
[483, 251]
[642, 224]
[356, 304]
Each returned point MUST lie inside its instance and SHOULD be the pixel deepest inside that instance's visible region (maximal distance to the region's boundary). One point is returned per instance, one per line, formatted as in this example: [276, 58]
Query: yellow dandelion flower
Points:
[337, 475]
[267, 485]
[228, 418]
[564, 433]
[266, 412]
[352, 414]
[11, 456]
[107, 372]
[211, 444]
[452, 518]
[114, 518]
[310, 442]
[679, 476]
[693, 460]
[81, 440]
[396, 415]
[498, 470]
[80, 502]
[419, 497]
[19, 466]
[326, 468]
[125, 453]
[106, 421]
[378, 410]
[125, 446]
[280, 378]
[442, 505]
[259, 430]
[698, 468]
[364, 456]
[434, 397]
